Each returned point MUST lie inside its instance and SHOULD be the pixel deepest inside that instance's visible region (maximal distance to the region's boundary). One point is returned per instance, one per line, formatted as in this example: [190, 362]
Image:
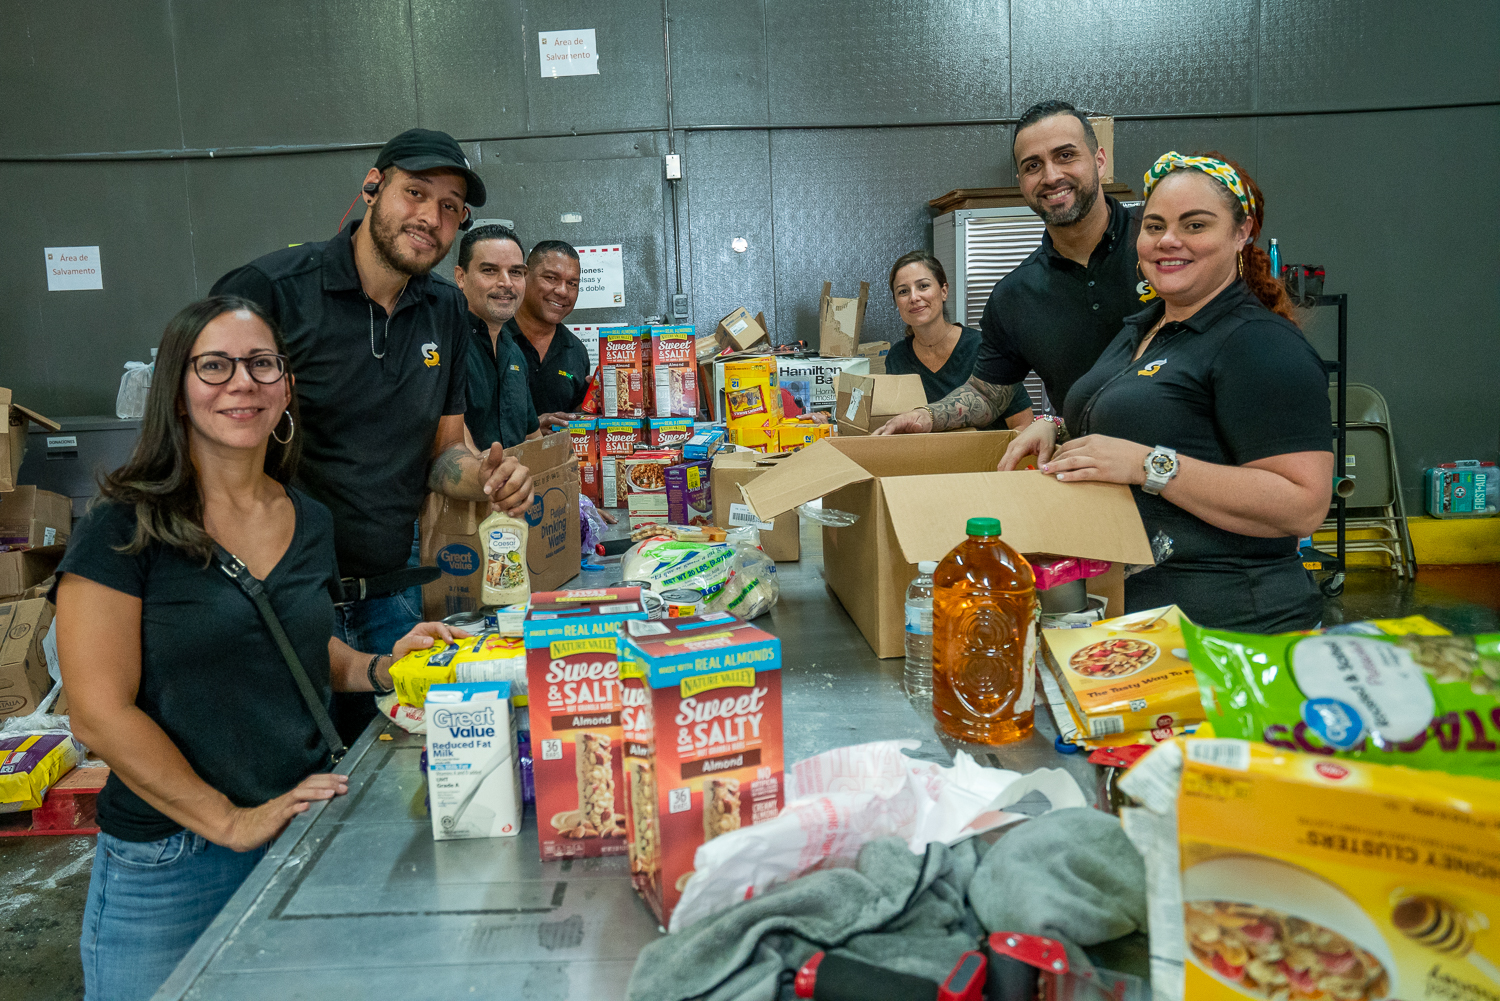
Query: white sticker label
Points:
[740, 516]
[568, 53]
[1379, 681]
[551, 750]
[49, 535]
[1221, 753]
[679, 800]
[738, 325]
[502, 542]
[71, 269]
[62, 441]
[854, 398]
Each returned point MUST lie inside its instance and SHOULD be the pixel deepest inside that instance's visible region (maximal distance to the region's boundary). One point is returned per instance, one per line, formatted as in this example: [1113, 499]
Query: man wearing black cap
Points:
[378, 351]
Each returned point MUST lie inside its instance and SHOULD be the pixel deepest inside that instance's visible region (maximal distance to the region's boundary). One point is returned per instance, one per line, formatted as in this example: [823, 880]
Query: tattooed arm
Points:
[974, 404]
[460, 471]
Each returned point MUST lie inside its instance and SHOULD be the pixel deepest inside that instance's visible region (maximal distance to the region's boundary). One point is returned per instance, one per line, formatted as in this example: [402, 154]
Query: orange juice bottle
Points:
[984, 636]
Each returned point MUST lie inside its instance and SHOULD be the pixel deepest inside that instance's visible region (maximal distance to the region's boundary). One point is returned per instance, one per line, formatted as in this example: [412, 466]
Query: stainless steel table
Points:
[356, 900]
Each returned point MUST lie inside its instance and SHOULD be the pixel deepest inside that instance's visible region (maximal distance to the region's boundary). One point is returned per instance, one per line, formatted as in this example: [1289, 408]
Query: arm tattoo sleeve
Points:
[448, 469]
[974, 404]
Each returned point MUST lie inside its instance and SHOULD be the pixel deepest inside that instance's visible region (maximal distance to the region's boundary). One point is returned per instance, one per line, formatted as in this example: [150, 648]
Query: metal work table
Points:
[355, 899]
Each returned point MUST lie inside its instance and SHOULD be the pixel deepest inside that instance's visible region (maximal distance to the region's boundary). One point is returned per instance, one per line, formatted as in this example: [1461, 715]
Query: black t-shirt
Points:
[559, 381]
[902, 360]
[211, 675]
[499, 399]
[1055, 316]
[368, 424]
[1232, 384]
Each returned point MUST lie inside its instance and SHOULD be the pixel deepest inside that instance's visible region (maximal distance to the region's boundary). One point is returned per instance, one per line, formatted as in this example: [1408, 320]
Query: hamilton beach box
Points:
[913, 494]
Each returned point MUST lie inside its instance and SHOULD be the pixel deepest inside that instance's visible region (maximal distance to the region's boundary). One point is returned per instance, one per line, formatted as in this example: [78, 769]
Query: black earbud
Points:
[371, 188]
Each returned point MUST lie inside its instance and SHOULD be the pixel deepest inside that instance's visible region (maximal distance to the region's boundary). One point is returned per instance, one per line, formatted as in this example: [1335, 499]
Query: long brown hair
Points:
[928, 261]
[159, 480]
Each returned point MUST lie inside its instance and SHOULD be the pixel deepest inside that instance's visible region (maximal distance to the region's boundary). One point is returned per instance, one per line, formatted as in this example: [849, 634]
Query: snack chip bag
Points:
[1417, 700]
[30, 763]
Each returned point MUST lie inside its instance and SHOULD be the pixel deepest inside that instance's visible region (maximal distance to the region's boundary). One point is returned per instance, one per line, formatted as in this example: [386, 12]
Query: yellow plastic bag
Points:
[486, 657]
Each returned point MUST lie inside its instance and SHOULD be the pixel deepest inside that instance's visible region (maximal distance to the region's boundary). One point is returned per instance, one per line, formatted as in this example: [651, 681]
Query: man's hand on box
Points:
[552, 422]
[507, 483]
[912, 422]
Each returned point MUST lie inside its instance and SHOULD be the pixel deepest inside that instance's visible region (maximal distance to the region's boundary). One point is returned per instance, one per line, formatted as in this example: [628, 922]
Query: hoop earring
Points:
[291, 429]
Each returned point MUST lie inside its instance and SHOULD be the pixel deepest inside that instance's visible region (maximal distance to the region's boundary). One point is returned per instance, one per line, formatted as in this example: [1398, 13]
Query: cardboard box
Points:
[715, 758]
[33, 517]
[674, 371]
[644, 476]
[813, 382]
[14, 419]
[741, 331]
[730, 471]
[914, 493]
[24, 569]
[450, 531]
[573, 684]
[690, 493]
[752, 395]
[866, 402]
[875, 352]
[622, 365]
[668, 432]
[618, 436]
[23, 666]
[840, 321]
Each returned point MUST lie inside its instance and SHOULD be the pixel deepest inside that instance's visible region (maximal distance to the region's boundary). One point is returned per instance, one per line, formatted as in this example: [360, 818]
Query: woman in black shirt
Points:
[942, 353]
[1213, 407]
[172, 675]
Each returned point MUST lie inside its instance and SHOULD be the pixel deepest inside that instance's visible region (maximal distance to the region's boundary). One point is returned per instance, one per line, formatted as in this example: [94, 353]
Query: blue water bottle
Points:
[1274, 253]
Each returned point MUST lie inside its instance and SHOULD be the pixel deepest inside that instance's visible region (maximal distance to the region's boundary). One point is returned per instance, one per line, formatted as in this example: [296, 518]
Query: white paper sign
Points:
[601, 277]
[70, 268]
[568, 53]
[588, 333]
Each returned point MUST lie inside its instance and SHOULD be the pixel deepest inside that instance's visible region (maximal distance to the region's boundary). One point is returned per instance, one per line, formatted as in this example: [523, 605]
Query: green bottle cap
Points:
[983, 526]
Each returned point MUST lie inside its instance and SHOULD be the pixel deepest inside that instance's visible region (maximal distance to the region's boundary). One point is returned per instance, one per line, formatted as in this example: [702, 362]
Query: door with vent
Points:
[978, 247]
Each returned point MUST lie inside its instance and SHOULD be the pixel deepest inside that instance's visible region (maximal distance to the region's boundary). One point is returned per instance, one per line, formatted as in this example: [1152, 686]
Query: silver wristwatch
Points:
[1161, 466]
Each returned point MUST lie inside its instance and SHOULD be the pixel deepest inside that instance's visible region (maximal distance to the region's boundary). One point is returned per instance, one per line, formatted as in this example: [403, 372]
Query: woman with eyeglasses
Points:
[172, 674]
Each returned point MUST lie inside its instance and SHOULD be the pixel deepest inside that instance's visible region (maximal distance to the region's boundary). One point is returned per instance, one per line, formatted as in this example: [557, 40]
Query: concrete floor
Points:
[44, 880]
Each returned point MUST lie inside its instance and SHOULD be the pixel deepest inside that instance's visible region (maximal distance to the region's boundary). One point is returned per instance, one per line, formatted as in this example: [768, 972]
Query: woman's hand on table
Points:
[1039, 440]
[1100, 458]
[250, 827]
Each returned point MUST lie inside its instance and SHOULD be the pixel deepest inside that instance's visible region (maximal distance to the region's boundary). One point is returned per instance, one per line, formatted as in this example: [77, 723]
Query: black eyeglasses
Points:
[217, 368]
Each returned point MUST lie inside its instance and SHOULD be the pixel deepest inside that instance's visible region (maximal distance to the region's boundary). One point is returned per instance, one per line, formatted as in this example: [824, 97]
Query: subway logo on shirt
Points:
[1153, 367]
[430, 356]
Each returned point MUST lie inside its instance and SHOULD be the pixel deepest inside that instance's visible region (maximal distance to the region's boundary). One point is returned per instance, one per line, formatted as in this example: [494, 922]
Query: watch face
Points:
[1163, 464]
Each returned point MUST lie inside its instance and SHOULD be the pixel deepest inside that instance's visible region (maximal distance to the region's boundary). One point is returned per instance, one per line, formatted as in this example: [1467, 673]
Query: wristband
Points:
[1050, 419]
[931, 417]
[370, 673]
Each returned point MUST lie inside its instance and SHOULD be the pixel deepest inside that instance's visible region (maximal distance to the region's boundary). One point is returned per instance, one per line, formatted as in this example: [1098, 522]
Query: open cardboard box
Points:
[731, 470]
[840, 321]
[742, 331]
[30, 516]
[866, 402]
[13, 421]
[914, 493]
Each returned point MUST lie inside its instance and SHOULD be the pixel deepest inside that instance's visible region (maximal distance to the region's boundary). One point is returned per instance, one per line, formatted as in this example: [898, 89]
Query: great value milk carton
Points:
[573, 678]
[472, 782]
[704, 748]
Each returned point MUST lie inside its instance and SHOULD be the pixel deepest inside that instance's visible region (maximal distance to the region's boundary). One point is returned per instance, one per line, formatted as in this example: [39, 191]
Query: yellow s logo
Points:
[1152, 367]
[430, 356]
[1144, 291]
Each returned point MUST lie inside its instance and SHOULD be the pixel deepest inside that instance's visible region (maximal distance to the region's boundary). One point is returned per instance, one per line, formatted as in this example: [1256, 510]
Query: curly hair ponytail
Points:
[1255, 263]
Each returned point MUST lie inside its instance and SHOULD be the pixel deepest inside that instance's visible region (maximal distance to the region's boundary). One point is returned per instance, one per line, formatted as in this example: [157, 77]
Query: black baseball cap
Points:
[424, 149]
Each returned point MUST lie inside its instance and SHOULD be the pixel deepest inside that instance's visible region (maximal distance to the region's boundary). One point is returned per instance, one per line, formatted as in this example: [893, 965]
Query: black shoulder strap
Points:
[255, 590]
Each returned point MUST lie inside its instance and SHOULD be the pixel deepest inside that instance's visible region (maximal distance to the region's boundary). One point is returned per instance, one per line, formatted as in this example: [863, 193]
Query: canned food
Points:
[644, 585]
[468, 621]
[681, 602]
[652, 603]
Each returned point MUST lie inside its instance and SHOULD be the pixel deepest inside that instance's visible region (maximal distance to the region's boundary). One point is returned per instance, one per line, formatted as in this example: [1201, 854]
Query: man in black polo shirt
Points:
[1059, 309]
[556, 361]
[491, 272]
[378, 352]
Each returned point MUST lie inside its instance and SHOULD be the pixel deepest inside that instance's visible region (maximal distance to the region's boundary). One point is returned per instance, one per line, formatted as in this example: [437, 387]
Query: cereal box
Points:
[689, 495]
[573, 679]
[674, 369]
[752, 396]
[668, 432]
[643, 475]
[761, 439]
[618, 436]
[1126, 674]
[1301, 877]
[714, 763]
[622, 361]
[793, 435]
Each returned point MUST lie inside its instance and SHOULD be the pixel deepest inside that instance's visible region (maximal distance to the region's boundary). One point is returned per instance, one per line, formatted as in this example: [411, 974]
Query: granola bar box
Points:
[623, 363]
[713, 764]
[1305, 877]
[674, 368]
[573, 682]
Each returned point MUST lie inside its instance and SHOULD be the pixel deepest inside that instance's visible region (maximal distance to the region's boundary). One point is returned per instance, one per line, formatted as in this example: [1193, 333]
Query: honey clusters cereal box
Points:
[618, 438]
[674, 369]
[752, 396]
[668, 432]
[573, 682]
[1302, 877]
[1125, 675]
[794, 434]
[708, 760]
[584, 432]
[623, 363]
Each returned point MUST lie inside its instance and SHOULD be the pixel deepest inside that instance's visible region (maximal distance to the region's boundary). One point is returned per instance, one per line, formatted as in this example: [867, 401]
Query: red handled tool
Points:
[841, 978]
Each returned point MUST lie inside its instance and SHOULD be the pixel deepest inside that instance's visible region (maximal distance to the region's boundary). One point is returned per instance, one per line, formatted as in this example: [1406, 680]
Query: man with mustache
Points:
[491, 272]
[557, 363]
[1059, 309]
[378, 352]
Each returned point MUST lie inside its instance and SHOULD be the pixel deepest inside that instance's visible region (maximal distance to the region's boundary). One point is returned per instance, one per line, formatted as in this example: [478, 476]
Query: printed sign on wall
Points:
[568, 53]
[588, 333]
[601, 277]
[72, 268]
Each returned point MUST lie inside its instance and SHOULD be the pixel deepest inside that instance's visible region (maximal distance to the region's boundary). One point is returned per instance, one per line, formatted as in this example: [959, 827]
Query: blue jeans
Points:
[148, 903]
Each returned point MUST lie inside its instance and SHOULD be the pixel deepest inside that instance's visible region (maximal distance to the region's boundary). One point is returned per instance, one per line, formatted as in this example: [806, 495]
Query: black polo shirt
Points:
[902, 360]
[1232, 384]
[1055, 316]
[559, 381]
[368, 424]
[499, 400]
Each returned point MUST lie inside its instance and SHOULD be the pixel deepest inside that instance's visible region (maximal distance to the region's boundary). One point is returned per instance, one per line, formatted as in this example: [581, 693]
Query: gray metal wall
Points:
[815, 131]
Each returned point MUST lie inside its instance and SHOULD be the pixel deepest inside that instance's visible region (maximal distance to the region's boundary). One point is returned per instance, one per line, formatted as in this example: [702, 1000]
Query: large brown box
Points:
[30, 516]
[21, 570]
[914, 493]
[866, 402]
[13, 421]
[23, 666]
[731, 469]
[840, 321]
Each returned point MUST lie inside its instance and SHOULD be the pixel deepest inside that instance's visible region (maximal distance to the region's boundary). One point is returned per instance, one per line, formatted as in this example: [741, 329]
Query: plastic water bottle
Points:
[918, 676]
